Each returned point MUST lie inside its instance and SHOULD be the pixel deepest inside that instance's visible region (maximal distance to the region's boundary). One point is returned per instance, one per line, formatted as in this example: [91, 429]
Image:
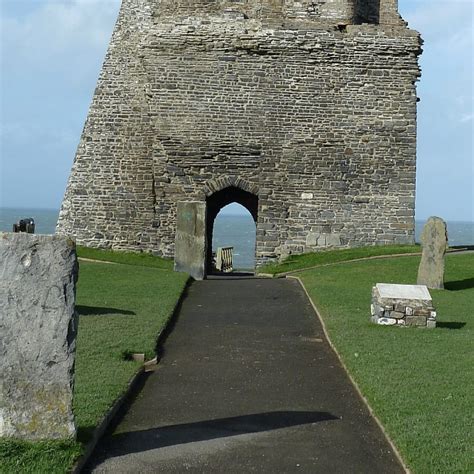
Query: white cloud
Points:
[447, 61]
[445, 23]
[58, 28]
[467, 118]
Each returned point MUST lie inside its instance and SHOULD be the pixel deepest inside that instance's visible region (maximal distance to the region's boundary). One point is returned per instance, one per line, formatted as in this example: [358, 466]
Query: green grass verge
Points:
[307, 260]
[419, 382]
[127, 258]
[19, 457]
[122, 309]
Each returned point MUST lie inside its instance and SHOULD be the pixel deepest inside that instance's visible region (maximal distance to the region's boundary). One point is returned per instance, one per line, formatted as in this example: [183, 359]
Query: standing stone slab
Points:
[434, 240]
[38, 327]
[190, 256]
[402, 305]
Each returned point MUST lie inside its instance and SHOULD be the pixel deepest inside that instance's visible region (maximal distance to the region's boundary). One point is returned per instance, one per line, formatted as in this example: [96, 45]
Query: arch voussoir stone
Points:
[246, 186]
[222, 182]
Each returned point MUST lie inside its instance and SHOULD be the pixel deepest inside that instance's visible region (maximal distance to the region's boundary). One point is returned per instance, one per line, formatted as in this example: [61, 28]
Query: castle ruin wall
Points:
[315, 113]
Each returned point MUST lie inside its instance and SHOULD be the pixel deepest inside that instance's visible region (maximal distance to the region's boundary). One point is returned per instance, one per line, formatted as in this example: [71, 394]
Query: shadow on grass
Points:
[450, 325]
[139, 441]
[462, 247]
[96, 311]
[85, 433]
[460, 285]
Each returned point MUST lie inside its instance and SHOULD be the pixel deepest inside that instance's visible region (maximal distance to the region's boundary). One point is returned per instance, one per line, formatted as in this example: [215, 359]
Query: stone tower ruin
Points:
[302, 111]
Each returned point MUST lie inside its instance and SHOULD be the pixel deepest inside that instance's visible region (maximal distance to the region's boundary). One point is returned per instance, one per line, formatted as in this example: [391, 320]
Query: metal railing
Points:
[224, 259]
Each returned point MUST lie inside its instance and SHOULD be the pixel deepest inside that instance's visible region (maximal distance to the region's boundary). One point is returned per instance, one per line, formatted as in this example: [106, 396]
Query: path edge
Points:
[354, 383]
[101, 428]
[119, 402]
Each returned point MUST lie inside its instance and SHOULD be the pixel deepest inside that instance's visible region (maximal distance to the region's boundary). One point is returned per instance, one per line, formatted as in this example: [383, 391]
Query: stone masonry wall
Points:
[402, 305]
[318, 118]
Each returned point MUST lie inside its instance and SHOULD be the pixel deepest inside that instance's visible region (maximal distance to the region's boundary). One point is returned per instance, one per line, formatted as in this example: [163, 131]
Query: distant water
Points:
[459, 233]
[238, 232]
[229, 231]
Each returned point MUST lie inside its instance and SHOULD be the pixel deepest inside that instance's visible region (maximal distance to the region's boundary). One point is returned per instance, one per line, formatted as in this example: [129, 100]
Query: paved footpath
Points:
[247, 383]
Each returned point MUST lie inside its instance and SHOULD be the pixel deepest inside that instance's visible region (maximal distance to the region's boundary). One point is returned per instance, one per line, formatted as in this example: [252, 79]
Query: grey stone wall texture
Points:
[38, 327]
[306, 107]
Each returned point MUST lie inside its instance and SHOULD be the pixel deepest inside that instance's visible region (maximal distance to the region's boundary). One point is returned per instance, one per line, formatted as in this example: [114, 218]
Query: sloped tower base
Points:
[305, 112]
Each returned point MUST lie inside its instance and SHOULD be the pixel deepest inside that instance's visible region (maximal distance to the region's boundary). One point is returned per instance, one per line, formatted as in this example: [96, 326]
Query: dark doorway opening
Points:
[219, 200]
[367, 11]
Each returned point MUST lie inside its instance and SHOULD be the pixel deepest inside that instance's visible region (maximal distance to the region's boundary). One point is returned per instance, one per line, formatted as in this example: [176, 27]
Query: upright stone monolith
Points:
[38, 327]
[190, 254]
[434, 240]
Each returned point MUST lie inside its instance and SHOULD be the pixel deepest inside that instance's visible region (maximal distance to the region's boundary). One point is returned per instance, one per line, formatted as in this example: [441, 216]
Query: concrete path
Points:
[247, 383]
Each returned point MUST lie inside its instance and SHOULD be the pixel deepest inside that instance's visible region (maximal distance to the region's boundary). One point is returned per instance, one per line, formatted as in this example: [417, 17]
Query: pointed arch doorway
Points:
[216, 202]
[195, 225]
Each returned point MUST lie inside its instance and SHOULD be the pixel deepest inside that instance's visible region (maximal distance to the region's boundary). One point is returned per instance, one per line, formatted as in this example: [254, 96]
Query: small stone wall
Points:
[402, 305]
[38, 326]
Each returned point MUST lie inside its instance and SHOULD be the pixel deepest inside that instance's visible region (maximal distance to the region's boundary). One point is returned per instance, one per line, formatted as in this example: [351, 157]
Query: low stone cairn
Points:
[38, 326]
[402, 305]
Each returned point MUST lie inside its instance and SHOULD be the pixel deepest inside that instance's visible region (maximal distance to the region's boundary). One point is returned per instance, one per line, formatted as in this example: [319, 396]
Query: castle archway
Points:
[220, 199]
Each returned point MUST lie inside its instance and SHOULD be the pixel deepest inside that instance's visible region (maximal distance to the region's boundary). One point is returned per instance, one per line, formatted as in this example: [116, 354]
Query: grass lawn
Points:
[127, 258]
[122, 310]
[307, 260]
[419, 382]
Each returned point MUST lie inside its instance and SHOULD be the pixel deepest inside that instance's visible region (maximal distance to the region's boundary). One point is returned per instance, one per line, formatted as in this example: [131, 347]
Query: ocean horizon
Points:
[231, 230]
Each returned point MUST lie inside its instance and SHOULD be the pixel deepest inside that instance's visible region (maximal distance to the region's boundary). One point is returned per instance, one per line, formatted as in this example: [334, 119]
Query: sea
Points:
[236, 231]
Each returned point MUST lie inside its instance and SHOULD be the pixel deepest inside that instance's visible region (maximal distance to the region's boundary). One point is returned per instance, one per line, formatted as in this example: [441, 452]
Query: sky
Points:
[52, 52]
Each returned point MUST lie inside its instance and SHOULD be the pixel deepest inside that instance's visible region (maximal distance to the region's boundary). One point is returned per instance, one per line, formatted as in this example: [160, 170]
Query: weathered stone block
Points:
[378, 310]
[387, 321]
[400, 308]
[38, 326]
[333, 240]
[415, 321]
[190, 254]
[312, 239]
[322, 241]
[434, 240]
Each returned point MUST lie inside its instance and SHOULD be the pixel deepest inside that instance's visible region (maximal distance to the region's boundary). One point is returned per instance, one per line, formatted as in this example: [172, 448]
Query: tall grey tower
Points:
[302, 111]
